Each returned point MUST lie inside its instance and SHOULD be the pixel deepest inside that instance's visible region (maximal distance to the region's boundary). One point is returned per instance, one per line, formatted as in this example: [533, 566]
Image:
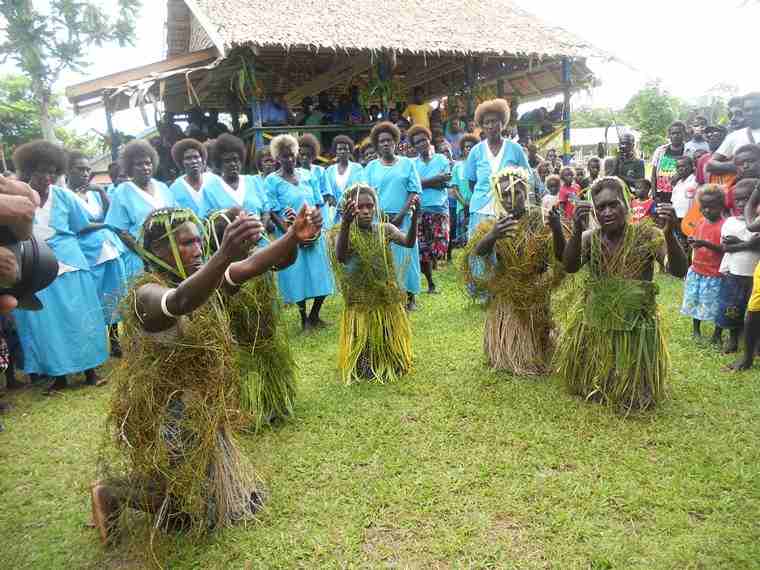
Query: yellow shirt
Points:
[419, 114]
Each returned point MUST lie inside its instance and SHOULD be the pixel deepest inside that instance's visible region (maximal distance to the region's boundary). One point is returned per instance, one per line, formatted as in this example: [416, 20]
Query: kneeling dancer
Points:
[375, 336]
[174, 410]
[510, 261]
[614, 347]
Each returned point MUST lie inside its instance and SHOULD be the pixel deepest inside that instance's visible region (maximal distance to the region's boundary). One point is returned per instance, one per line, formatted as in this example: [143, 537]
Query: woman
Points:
[102, 248]
[344, 173]
[518, 278]
[67, 335]
[310, 276]
[233, 189]
[135, 199]
[489, 157]
[375, 336]
[396, 182]
[434, 171]
[314, 174]
[174, 406]
[267, 367]
[191, 156]
[461, 190]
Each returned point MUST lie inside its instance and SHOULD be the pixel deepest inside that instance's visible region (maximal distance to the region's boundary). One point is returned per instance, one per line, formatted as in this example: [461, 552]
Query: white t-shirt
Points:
[736, 140]
[683, 195]
[742, 262]
[548, 202]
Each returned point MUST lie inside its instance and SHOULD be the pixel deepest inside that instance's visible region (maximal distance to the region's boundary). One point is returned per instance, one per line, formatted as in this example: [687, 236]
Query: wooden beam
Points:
[345, 68]
[96, 87]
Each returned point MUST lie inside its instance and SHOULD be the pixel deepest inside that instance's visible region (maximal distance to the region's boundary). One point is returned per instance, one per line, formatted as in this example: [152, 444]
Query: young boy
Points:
[703, 282]
[549, 199]
[568, 191]
[642, 206]
[742, 254]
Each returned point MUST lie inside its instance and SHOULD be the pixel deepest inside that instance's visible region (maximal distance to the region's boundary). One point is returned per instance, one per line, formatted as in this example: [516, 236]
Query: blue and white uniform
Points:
[188, 197]
[68, 335]
[336, 183]
[218, 195]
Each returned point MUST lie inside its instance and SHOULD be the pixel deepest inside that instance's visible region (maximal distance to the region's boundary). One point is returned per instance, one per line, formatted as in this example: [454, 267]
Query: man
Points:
[715, 135]
[697, 141]
[736, 114]
[722, 159]
[628, 167]
[418, 112]
[665, 159]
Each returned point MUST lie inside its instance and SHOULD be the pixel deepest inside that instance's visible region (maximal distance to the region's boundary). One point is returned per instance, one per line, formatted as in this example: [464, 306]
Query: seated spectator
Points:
[418, 111]
[275, 111]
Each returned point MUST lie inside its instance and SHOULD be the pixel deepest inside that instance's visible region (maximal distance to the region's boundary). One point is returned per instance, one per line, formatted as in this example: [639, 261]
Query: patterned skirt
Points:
[433, 236]
[701, 296]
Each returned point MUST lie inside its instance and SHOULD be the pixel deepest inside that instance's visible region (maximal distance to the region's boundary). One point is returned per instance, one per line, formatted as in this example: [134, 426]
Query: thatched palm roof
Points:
[487, 27]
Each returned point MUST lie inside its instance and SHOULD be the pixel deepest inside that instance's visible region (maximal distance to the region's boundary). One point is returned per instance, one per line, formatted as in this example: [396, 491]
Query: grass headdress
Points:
[162, 224]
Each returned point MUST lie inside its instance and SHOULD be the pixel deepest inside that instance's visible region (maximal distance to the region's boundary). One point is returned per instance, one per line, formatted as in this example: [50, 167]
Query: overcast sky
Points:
[690, 45]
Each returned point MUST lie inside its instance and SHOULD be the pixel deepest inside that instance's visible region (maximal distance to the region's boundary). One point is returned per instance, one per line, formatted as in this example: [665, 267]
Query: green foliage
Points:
[20, 118]
[453, 466]
[651, 111]
[588, 117]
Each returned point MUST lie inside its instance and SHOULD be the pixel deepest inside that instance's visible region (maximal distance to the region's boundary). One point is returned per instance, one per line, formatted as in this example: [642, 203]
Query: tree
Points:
[44, 42]
[650, 111]
[20, 117]
[586, 117]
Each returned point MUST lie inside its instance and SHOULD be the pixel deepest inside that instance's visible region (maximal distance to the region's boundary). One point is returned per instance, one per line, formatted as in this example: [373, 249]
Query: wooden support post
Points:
[566, 151]
[500, 88]
[110, 130]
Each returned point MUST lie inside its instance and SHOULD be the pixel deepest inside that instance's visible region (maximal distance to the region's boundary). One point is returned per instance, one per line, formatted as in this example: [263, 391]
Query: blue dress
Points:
[311, 275]
[393, 185]
[315, 177]
[105, 254]
[434, 201]
[188, 197]
[218, 195]
[478, 168]
[68, 335]
[336, 188]
[130, 207]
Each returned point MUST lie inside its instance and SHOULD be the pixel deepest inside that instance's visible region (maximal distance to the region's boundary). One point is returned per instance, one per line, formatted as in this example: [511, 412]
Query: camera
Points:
[37, 268]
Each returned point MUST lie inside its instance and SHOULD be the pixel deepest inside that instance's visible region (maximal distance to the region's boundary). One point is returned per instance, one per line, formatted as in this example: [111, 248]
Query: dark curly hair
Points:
[308, 140]
[418, 130]
[469, 137]
[228, 143]
[30, 157]
[384, 127]
[75, 155]
[135, 150]
[498, 107]
[609, 183]
[259, 158]
[181, 147]
[343, 139]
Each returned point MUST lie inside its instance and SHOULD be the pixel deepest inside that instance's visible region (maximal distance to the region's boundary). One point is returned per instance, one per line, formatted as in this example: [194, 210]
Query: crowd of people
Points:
[182, 283]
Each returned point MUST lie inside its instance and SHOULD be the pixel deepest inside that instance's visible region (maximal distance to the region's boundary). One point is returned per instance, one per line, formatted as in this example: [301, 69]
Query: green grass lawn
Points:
[453, 467]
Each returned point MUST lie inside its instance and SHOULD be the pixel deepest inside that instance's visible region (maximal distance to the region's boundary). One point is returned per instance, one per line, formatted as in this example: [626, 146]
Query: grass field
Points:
[454, 467]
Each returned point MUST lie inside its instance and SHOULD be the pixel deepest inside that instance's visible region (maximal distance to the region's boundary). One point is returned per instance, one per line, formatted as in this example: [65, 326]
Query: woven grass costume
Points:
[516, 279]
[266, 364]
[174, 415]
[614, 347]
[375, 335]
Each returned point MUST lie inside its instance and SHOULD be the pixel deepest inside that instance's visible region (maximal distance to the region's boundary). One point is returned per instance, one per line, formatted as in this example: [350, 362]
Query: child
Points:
[552, 190]
[642, 206]
[568, 191]
[703, 282]
[742, 254]
[375, 336]
[516, 251]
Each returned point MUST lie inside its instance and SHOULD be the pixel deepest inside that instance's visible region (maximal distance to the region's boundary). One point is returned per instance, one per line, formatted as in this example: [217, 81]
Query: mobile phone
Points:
[663, 197]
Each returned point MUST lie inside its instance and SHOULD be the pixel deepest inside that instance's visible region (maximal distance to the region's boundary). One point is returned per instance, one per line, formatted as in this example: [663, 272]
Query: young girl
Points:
[549, 199]
[569, 191]
[701, 297]
[642, 206]
[375, 337]
[516, 250]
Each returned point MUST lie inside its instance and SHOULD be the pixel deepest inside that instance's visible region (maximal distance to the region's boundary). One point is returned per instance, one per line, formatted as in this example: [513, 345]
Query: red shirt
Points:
[641, 209]
[565, 197]
[706, 261]
[726, 181]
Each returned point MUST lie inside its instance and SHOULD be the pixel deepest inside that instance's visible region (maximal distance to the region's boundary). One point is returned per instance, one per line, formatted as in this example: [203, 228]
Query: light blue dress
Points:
[336, 187]
[130, 207]
[105, 254]
[393, 185]
[479, 167]
[434, 201]
[311, 275]
[68, 335]
[315, 177]
[188, 197]
[218, 195]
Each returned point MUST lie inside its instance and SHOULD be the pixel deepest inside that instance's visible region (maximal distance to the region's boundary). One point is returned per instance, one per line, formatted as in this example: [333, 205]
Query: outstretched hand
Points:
[307, 224]
[581, 216]
[506, 226]
[240, 235]
[666, 216]
[414, 206]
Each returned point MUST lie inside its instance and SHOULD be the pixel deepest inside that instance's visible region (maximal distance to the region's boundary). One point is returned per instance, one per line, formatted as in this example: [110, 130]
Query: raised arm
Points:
[720, 164]
[410, 238]
[678, 263]
[572, 257]
[558, 233]
[750, 210]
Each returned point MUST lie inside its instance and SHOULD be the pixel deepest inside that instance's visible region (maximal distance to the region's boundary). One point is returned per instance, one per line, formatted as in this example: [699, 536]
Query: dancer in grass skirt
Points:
[613, 347]
[375, 336]
[516, 270]
[267, 367]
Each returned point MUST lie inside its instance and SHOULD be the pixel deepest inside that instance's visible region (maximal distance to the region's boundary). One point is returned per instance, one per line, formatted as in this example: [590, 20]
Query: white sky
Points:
[691, 45]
